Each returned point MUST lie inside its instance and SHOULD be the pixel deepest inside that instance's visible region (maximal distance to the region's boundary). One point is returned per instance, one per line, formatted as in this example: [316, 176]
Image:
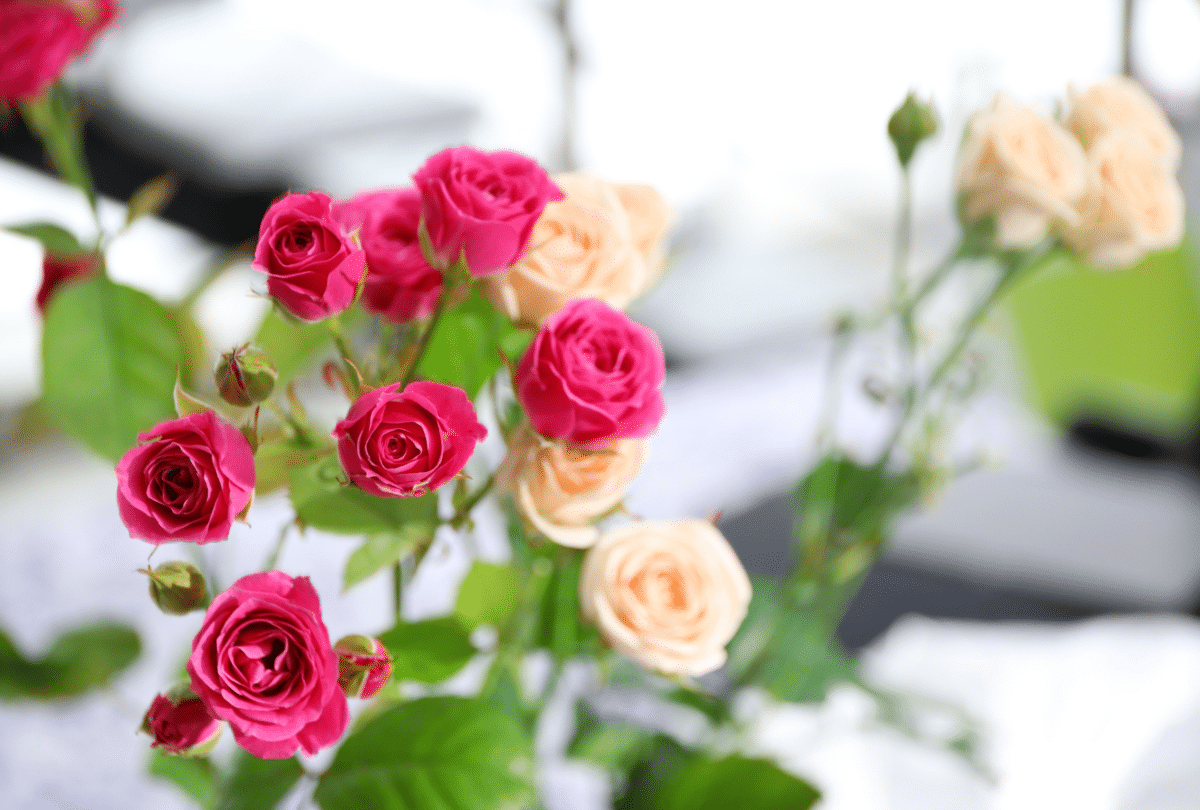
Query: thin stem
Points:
[427, 335]
[350, 362]
[273, 557]
[220, 263]
[460, 516]
[398, 588]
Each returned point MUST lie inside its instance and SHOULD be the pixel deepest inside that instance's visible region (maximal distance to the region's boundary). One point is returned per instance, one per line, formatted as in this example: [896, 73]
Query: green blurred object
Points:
[1119, 345]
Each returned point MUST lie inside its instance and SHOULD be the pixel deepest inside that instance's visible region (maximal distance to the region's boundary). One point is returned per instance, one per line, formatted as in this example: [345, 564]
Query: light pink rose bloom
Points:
[398, 444]
[263, 662]
[482, 206]
[401, 285]
[592, 376]
[188, 479]
[312, 264]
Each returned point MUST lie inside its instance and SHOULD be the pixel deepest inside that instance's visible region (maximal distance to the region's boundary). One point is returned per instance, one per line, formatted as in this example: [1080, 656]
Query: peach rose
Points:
[1022, 167]
[586, 246]
[1121, 105]
[1132, 205]
[670, 595]
[651, 219]
[562, 489]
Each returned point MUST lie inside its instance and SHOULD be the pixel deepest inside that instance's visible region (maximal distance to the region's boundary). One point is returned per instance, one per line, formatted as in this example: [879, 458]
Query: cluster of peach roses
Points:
[1103, 179]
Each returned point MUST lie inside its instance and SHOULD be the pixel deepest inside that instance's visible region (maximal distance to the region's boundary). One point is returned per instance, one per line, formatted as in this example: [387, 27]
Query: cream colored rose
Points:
[1121, 105]
[585, 246]
[1022, 167]
[561, 489]
[670, 595]
[651, 219]
[1132, 205]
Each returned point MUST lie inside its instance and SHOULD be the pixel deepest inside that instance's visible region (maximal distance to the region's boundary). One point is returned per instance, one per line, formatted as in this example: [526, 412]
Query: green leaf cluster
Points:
[463, 350]
[249, 784]
[78, 661]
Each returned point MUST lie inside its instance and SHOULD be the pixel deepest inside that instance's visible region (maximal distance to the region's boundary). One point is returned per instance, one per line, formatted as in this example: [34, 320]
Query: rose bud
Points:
[38, 39]
[181, 724]
[480, 207]
[263, 662]
[912, 122]
[312, 264]
[58, 269]
[177, 587]
[669, 594]
[245, 376]
[401, 285]
[592, 376]
[188, 479]
[364, 666]
[400, 444]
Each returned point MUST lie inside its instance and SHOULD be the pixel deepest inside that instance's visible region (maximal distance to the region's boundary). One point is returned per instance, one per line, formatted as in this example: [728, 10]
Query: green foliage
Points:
[323, 501]
[54, 238]
[275, 460]
[292, 344]
[463, 352]
[428, 651]
[195, 777]
[439, 753]
[490, 595]
[846, 509]
[109, 360]
[380, 551]
[151, 197]
[661, 759]
[748, 784]
[258, 784]
[54, 119]
[560, 629]
[616, 746]
[78, 661]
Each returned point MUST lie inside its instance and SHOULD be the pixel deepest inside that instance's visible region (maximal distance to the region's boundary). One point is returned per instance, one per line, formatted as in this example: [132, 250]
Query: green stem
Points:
[398, 588]
[351, 366]
[427, 334]
[273, 557]
[220, 263]
[464, 511]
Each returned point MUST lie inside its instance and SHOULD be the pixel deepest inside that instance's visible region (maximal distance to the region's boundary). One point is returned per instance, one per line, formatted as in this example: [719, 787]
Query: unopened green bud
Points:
[245, 376]
[363, 665]
[912, 122]
[177, 587]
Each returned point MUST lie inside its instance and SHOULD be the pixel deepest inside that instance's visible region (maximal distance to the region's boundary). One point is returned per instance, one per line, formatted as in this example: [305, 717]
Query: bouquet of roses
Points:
[491, 292]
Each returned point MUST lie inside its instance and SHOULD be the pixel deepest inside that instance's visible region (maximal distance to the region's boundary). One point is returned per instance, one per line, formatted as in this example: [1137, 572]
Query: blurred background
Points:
[763, 122]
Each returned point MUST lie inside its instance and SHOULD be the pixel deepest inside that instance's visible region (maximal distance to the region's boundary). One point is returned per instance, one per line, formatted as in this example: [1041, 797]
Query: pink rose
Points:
[181, 724]
[262, 661]
[592, 376]
[397, 443]
[401, 285]
[312, 264]
[482, 206]
[187, 479]
[59, 269]
[38, 39]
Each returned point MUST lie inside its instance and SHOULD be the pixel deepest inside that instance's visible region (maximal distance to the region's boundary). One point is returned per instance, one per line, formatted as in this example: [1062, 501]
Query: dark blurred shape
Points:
[226, 216]
[1101, 436]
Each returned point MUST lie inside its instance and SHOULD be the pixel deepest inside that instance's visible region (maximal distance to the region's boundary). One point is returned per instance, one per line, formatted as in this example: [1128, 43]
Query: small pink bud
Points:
[181, 724]
[364, 666]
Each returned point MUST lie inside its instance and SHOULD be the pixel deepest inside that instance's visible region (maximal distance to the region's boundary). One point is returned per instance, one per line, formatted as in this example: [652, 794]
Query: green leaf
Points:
[489, 595]
[559, 628]
[274, 462]
[109, 361]
[379, 551]
[151, 198]
[194, 777]
[748, 784]
[616, 746]
[77, 661]
[322, 501]
[464, 350]
[428, 651]
[293, 345]
[662, 758]
[54, 239]
[439, 753]
[258, 784]
[54, 118]
[185, 403]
